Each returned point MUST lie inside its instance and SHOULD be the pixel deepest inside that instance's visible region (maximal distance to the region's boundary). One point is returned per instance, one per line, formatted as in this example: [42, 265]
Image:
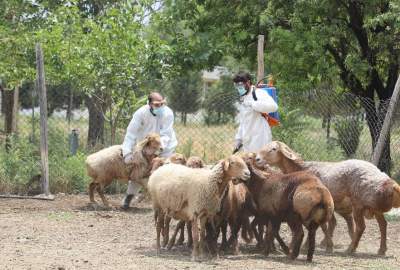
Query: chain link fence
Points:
[318, 124]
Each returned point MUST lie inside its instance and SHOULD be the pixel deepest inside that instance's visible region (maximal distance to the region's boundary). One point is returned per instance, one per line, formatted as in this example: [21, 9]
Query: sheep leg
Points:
[312, 229]
[297, 238]
[181, 227]
[195, 234]
[358, 215]
[380, 218]
[253, 225]
[350, 224]
[272, 229]
[159, 227]
[92, 187]
[235, 227]
[224, 243]
[328, 237]
[283, 245]
[99, 189]
[167, 221]
[171, 242]
[189, 231]
[211, 236]
[202, 242]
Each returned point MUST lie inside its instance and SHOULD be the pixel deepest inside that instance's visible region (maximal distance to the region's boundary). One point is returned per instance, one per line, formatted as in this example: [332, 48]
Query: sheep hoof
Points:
[170, 245]
[382, 252]
[195, 259]
[350, 251]
[329, 249]
[236, 252]
[323, 243]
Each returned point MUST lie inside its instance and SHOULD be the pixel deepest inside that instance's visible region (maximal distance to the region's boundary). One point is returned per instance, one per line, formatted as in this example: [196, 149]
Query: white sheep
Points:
[192, 195]
[108, 164]
[358, 188]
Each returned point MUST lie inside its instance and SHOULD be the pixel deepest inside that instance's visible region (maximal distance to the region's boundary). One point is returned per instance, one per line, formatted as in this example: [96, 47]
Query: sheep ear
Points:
[287, 152]
[225, 164]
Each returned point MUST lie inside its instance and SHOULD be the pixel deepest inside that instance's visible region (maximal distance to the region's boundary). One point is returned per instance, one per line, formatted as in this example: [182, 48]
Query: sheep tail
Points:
[322, 211]
[396, 195]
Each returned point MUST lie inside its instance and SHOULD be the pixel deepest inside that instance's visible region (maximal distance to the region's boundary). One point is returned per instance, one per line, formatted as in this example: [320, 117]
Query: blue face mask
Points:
[158, 111]
[241, 90]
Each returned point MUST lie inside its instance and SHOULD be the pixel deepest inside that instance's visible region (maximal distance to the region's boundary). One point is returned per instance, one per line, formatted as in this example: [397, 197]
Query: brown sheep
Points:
[195, 162]
[237, 206]
[371, 191]
[108, 164]
[297, 198]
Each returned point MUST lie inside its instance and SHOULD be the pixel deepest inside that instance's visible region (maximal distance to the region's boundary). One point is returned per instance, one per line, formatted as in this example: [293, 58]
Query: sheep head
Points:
[274, 153]
[150, 145]
[250, 160]
[156, 163]
[177, 159]
[195, 162]
[235, 169]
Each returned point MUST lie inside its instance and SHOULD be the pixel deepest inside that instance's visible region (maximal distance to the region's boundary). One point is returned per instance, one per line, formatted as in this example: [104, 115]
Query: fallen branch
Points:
[50, 197]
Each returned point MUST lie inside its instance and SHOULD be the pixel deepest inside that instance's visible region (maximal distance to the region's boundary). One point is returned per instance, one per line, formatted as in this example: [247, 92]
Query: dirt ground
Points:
[67, 234]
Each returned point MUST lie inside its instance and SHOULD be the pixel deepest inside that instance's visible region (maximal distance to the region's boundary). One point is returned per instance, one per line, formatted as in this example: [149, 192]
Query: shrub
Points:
[348, 130]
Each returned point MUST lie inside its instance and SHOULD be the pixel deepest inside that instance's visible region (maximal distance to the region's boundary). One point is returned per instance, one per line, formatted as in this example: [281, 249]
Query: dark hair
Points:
[242, 77]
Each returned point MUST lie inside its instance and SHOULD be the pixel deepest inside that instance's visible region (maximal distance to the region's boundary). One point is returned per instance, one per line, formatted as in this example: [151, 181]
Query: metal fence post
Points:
[386, 124]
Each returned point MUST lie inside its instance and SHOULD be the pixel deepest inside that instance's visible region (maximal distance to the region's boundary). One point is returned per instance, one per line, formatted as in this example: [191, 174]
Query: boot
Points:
[127, 200]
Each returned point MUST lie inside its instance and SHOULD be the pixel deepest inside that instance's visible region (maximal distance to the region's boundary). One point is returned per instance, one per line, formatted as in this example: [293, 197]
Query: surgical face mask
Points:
[158, 111]
[241, 89]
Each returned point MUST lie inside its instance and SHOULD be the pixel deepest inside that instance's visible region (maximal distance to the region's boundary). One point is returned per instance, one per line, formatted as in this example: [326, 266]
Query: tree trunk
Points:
[10, 106]
[10, 103]
[96, 121]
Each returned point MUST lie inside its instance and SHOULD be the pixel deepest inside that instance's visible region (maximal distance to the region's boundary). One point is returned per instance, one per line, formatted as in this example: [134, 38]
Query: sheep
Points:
[359, 183]
[297, 198]
[237, 206]
[192, 195]
[108, 164]
[192, 162]
[195, 162]
[250, 159]
[175, 158]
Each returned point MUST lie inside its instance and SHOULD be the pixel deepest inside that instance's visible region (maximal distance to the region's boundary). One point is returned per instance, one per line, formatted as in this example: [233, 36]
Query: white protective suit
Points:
[144, 122]
[254, 131]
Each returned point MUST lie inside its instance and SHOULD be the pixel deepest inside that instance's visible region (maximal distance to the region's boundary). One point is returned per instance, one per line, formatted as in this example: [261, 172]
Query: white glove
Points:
[128, 159]
[248, 103]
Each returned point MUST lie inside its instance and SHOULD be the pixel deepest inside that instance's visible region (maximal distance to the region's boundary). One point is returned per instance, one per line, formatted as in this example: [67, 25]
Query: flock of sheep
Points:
[243, 187]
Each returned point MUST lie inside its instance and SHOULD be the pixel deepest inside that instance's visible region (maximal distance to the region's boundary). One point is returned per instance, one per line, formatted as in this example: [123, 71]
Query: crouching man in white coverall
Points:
[152, 117]
[253, 131]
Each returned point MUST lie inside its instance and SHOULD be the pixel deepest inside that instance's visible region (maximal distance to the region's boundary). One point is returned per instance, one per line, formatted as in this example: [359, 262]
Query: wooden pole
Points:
[386, 124]
[260, 58]
[43, 119]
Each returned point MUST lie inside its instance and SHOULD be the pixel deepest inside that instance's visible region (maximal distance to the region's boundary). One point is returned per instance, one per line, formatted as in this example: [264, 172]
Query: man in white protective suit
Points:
[254, 131]
[156, 117]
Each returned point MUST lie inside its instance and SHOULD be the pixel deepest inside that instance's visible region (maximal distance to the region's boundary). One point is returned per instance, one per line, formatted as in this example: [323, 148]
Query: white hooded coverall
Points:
[254, 131]
[144, 122]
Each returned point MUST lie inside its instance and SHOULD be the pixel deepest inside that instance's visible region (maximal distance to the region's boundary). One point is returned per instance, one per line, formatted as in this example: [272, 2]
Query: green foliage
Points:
[219, 105]
[184, 94]
[348, 130]
[68, 173]
[18, 165]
